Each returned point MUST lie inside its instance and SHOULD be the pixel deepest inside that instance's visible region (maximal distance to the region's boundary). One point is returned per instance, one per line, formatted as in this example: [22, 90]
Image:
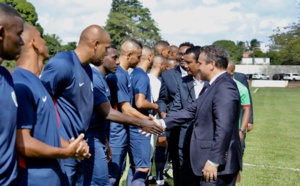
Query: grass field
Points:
[272, 155]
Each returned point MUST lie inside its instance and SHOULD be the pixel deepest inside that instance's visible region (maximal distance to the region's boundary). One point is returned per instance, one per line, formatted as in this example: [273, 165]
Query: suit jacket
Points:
[185, 95]
[215, 135]
[243, 79]
[169, 81]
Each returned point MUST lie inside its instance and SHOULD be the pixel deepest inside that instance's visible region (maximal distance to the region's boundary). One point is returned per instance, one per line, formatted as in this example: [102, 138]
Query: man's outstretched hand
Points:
[151, 126]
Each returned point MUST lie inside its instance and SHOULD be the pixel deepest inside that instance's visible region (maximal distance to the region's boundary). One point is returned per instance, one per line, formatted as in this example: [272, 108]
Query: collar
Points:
[198, 82]
[183, 72]
[215, 77]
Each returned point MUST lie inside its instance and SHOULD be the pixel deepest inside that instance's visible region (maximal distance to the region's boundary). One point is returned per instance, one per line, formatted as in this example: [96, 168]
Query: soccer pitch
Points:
[272, 154]
[272, 148]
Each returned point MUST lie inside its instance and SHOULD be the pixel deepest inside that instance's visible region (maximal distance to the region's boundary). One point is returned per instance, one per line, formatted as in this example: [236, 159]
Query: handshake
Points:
[152, 126]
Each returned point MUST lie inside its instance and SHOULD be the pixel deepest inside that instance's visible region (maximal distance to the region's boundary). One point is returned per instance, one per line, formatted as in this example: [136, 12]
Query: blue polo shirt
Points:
[70, 83]
[99, 125]
[140, 85]
[36, 112]
[121, 91]
[8, 115]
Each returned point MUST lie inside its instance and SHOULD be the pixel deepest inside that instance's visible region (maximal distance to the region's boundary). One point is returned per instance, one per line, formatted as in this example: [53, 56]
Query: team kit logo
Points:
[14, 98]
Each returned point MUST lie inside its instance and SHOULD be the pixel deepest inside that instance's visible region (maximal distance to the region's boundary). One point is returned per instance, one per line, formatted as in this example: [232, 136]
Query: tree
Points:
[128, 19]
[69, 46]
[53, 43]
[242, 45]
[286, 42]
[254, 45]
[235, 51]
[27, 11]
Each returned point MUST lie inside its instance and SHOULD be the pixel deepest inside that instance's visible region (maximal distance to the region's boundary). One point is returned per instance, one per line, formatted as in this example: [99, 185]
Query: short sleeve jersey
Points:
[140, 85]
[98, 125]
[8, 115]
[36, 112]
[70, 84]
[121, 91]
[245, 99]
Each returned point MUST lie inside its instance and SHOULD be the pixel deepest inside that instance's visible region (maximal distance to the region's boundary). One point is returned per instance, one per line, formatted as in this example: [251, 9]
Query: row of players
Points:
[73, 96]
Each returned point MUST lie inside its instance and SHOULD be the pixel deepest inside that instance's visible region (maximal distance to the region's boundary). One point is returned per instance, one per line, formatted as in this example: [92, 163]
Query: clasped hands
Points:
[79, 148]
[151, 126]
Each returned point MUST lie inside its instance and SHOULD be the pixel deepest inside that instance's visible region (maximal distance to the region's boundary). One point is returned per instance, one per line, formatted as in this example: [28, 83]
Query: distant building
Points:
[255, 61]
[264, 47]
[246, 54]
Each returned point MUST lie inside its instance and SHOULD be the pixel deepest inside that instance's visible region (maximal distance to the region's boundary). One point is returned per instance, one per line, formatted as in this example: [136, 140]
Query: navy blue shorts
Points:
[95, 167]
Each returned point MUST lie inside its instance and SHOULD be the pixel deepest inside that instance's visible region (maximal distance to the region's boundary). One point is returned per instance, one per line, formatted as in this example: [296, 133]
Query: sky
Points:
[198, 21]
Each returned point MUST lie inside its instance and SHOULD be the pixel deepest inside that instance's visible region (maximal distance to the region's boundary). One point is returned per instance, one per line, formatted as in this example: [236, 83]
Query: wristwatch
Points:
[243, 131]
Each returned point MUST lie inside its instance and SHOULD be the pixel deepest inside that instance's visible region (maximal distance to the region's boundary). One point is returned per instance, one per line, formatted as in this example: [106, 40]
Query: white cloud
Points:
[209, 2]
[200, 22]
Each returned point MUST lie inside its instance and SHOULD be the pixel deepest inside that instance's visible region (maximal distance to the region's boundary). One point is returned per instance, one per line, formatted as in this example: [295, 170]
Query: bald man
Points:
[139, 148]
[158, 143]
[173, 52]
[162, 47]
[171, 63]
[68, 79]
[245, 111]
[122, 100]
[38, 141]
[11, 27]
[96, 168]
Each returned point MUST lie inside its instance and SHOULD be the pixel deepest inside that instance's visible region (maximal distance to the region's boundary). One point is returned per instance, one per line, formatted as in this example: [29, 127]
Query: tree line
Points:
[128, 18]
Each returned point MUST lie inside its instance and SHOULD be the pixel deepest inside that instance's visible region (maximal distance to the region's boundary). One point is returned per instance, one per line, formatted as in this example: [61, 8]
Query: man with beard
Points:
[68, 79]
[122, 99]
[96, 168]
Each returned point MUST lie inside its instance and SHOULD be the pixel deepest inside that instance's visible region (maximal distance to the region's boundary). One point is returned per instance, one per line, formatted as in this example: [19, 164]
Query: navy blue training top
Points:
[140, 85]
[36, 112]
[99, 125]
[8, 116]
[70, 84]
[121, 91]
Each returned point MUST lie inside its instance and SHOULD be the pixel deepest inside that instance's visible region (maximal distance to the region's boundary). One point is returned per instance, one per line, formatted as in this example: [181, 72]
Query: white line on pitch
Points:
[255, 90]
[271, 167]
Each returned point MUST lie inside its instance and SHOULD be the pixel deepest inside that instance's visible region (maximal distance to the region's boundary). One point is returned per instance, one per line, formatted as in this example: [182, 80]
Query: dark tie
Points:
[204, 89]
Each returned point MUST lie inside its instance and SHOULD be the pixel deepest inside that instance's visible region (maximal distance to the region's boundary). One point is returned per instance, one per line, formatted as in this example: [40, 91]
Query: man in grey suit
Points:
[215, 148]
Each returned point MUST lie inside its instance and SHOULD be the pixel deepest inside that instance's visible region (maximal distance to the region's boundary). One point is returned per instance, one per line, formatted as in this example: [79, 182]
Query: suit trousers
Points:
[222, 180]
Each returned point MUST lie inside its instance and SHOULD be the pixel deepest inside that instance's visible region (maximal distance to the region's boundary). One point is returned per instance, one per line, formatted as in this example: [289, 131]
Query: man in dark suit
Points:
[243, 79]
[187, 92]
[215, 148]
[170, 79]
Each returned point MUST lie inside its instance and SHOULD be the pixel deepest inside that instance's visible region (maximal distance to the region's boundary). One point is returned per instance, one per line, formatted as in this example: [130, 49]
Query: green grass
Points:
[274, 143]
[273, 146]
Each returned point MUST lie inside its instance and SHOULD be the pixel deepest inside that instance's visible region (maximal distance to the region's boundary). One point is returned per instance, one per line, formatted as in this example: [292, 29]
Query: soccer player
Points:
[121, 99]
[163, 48]
[38, 141]
[11, 28]
[96, 168]
[140, 148]
[245, 111]
[68, 79]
